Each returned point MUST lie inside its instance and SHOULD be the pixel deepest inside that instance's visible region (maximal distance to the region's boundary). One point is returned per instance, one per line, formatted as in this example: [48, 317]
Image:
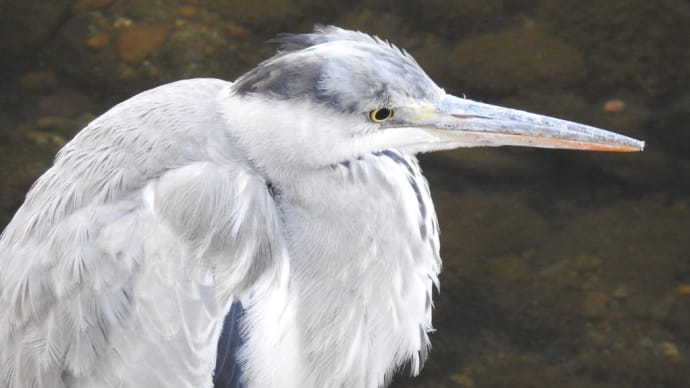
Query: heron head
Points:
[333, 95]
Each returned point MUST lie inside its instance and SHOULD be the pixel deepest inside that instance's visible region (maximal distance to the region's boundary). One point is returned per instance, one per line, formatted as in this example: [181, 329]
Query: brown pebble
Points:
[595, 304]
[683, 289]
[679, 206]
[614, 106]
[38, 80]
[597, 339]
[669, 350]
[587, 262]
[56, 124]
[122, 23]
[138, 43]
[64, 103]
[237, 31]
[553, 372]
[91, 5]
[58, 141]
[506, 269]
[462, 380]
[98, 41]
[620, 292]
[187, 11]
[37, 137]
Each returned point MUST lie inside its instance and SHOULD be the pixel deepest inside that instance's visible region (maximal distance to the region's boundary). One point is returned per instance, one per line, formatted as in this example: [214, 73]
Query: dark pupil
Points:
[382, 114]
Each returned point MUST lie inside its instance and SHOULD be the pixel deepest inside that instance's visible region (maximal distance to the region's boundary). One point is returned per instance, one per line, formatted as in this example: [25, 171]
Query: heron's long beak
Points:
[466, 123]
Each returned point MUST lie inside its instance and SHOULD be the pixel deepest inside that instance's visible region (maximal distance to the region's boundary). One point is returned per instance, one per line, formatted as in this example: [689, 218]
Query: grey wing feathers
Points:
[125, 257]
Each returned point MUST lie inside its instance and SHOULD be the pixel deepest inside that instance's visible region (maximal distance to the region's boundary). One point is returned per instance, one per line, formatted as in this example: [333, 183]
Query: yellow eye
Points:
[380, 115]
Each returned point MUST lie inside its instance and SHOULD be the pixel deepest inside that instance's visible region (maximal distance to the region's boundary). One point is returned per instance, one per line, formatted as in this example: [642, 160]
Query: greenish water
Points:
[561, 269]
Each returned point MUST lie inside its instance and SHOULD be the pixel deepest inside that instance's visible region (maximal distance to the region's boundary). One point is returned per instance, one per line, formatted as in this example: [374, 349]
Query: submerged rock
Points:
[486, 225]
[138, 43]
[504, 62]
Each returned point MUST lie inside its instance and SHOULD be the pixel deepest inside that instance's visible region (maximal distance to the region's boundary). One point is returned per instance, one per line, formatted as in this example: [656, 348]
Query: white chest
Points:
[363, 265]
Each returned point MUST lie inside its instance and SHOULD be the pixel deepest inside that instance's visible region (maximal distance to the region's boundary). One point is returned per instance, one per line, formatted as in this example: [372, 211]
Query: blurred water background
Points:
[561, 269]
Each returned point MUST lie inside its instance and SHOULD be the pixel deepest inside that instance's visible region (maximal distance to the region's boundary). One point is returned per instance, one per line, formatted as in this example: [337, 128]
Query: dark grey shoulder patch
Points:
[281, 79]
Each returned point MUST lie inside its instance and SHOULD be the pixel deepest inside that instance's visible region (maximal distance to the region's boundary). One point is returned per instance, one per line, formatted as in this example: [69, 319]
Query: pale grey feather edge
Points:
[72, 254]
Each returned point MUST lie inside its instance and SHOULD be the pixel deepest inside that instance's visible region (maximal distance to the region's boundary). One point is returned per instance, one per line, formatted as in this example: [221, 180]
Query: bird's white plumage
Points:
[127, 253]
[277, 191]
[373, 312]
[124, 278]
[121, 264]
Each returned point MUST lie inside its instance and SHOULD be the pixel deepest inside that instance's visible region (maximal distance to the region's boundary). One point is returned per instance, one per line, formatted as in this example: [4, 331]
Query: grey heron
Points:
[292, 195]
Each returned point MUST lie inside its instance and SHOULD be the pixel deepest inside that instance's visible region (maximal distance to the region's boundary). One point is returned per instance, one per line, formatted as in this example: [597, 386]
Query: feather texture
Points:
[125, 257]
[127, 254]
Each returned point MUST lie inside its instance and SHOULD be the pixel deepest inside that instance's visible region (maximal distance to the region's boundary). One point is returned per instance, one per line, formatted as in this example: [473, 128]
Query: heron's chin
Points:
[415, 140]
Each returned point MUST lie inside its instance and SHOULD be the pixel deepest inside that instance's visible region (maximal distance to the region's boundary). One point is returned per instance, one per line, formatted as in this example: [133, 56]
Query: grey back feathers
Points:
[357, 74]
[113, 267]
[120, 266]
